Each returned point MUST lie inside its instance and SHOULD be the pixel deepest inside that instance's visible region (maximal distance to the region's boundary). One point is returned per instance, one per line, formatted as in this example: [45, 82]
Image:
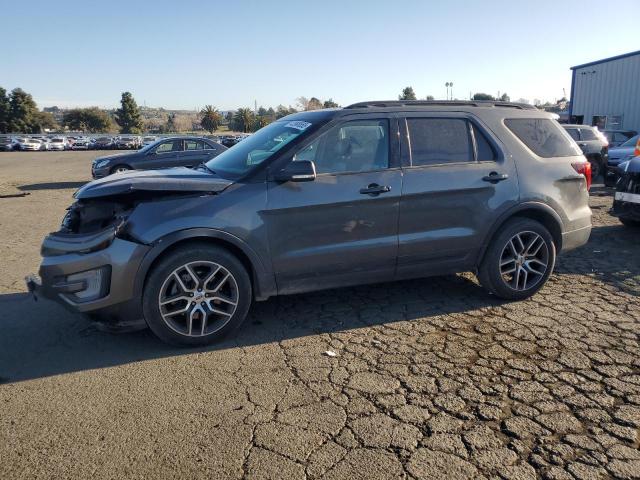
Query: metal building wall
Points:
[610, 88]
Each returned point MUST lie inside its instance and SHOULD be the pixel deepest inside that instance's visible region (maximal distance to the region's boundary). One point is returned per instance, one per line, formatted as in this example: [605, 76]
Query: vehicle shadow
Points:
[50, 186]
[612, 255]
[40, 339]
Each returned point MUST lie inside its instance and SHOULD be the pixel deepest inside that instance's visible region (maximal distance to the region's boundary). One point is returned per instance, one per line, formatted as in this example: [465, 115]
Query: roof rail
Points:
[441, 103]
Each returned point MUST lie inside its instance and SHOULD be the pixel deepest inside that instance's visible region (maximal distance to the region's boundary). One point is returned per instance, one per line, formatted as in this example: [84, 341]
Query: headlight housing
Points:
[102, 163]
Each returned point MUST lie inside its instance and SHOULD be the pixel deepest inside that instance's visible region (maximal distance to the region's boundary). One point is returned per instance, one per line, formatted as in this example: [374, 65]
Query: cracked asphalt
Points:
[430, 379]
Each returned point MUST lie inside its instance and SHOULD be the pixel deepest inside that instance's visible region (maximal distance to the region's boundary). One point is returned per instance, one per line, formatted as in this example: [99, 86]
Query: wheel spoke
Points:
[210, 277]
[526, 277]
[194, 277]
[220, 283]
[181, 283]
[223, 299]
[219, 312]
[507, 261]
[175, 299]
[176, 312]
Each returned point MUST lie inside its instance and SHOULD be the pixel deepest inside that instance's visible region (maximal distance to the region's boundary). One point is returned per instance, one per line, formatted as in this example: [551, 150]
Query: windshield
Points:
[631, 142]
[255, 149]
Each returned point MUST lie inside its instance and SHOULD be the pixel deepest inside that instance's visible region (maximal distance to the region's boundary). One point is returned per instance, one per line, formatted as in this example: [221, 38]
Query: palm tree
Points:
[211, 118]
[244, 119]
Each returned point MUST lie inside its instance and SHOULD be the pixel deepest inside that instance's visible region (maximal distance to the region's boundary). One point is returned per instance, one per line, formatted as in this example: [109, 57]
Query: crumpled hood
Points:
[179, 179]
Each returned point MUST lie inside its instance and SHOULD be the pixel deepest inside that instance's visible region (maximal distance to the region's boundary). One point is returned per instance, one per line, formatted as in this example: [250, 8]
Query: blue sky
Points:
[190, 53]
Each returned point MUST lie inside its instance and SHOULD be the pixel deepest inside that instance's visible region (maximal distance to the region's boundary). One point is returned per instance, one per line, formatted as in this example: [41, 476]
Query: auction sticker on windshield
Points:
[298, 125]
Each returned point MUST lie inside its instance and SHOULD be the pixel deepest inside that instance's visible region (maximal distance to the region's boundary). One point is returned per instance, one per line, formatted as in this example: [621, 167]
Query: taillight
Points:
[584, 168]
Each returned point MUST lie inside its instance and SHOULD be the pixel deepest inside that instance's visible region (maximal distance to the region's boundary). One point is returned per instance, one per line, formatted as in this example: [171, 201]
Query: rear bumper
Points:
[118, 264]
[575, 238]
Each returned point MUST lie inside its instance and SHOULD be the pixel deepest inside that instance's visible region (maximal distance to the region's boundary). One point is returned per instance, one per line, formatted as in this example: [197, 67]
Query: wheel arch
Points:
[262, 281]
[539, 212]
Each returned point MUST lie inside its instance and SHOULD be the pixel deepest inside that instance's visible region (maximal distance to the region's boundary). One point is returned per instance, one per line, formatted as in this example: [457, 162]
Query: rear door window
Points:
[573, 133]
[193, 145]
[484, 149]
[543, 136]
[587, 134]
[436, 141]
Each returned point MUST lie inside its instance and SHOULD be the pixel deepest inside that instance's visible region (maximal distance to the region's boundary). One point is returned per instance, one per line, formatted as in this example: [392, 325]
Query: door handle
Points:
[495, 177]
[374, 189]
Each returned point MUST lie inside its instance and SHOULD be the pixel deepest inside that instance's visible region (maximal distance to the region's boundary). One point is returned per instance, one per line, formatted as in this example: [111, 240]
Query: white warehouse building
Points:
[606, 93]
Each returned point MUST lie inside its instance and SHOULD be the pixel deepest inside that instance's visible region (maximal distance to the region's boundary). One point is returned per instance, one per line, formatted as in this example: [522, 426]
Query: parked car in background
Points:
[128, 142]
[593, 144]
[164, 153]
[626, 203]
[103, 143]
[618, 137]
[229, 141]
[148, 140]
[31, 144]
[7, 144]
[81, 143]
[618, 155]
[339, 199]
[58, 143]
[44, 143]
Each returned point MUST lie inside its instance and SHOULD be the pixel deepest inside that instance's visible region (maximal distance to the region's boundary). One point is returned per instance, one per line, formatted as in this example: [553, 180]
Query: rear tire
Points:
[519, 260]
[196, 295]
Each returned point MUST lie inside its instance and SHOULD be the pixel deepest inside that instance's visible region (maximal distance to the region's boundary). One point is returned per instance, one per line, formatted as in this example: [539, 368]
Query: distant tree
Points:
[244, 120]
[5, 109]
[23, 112]
[303, 102]
[483, 96]
[407, 94]
[93, 120]
[128, 115]
[314, 104]
[171, 123]
[271, 113]
[505, 98]
[282, 111]
[45, 121]
[261, 121]
[210, 118]
[262, 111]
[330, 104]
[430, 98]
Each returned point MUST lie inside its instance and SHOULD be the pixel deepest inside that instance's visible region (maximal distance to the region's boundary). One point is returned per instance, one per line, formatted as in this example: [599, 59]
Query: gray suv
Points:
[373, 192]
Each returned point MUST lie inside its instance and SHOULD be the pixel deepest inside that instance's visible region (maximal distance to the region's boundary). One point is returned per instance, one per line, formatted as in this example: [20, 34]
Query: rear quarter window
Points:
[543, 136]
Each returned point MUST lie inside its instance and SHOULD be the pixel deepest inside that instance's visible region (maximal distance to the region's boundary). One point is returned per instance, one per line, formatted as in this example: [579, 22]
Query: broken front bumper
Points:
[86, 273]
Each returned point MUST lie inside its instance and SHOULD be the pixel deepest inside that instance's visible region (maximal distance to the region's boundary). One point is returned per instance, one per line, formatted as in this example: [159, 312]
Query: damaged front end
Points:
[91, 262]
[626, 204]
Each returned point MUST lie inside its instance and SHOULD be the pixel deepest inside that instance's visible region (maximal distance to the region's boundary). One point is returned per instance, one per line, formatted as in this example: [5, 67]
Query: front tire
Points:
[120, 169]
[196, 295]
[519, 260]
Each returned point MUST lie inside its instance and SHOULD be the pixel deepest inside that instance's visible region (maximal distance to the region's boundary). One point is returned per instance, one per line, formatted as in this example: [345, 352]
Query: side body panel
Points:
[447, 210]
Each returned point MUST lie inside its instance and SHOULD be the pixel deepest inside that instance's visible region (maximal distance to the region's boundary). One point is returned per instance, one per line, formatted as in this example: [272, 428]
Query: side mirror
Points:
[297, 171]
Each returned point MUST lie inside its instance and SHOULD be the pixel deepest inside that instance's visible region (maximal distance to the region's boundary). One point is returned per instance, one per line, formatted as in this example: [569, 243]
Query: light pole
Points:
[449, 85]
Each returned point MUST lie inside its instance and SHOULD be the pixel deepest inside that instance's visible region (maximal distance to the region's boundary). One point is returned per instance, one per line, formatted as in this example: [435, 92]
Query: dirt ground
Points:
[431, 378]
